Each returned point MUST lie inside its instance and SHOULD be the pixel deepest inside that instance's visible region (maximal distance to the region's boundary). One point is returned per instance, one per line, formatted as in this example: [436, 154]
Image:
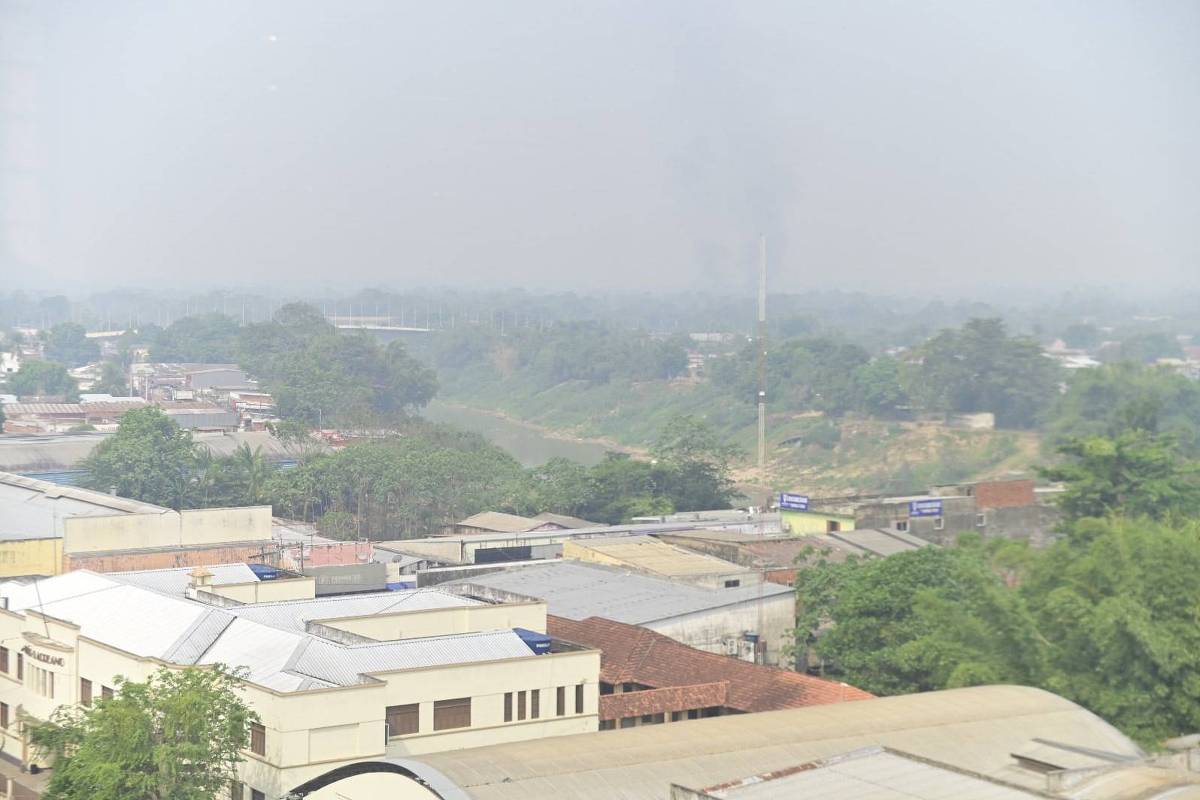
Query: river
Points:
[527, 443]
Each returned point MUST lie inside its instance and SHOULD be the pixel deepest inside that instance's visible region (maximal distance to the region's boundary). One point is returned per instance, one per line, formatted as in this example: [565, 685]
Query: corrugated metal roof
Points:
[577, 591]
[501, 522]
[649, 554]
[174, 581]
[295, 615]
[34, 509]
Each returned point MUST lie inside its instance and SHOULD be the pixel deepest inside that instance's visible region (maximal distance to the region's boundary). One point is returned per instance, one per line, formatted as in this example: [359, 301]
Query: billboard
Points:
[925, 508]
[793, 502]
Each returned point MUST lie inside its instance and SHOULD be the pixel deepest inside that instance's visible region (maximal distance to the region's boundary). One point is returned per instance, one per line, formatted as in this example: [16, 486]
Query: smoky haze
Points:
[916, 146]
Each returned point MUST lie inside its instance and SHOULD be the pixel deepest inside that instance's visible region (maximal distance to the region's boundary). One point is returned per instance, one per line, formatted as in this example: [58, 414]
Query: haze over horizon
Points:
[901, 147]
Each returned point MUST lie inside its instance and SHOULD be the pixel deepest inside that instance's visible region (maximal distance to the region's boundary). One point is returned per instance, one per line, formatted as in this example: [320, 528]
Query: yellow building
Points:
[802, 523]
[335, 680]
[649, 555]
[35, 513]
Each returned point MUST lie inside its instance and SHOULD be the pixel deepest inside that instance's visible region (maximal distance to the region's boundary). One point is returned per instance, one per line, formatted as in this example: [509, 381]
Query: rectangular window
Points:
[20, 667]
[106, 693]
[579, 698]
[939, 524]
[980, 520]
[902, 525]
[732, 584]
[508, 706]
[4, 659]
[258, 739]
[454, 713]
[85, 691]
[561, 700]
[520, 705]
[255, 794]
[628, 722]
[403, 720]
[652, 719]
[676, 716]
[3, 715]
[535, 703]
[607, 724]
[235, 791]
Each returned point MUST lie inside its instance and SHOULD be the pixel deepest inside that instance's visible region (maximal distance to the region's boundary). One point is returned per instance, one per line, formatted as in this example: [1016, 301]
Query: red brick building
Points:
[647, 678]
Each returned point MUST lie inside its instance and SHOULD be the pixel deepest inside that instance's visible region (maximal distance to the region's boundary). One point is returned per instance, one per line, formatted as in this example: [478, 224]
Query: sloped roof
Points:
[650, 555]
[566, 521]
[500, 522]
[632, 654]
[973, 729]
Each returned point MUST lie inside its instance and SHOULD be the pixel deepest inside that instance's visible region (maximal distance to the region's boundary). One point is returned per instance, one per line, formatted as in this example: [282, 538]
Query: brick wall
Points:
[1004, 494]
[162, 559]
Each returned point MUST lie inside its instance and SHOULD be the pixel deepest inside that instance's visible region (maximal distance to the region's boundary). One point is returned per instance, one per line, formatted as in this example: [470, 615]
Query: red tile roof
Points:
[663, 701]
[633, 654]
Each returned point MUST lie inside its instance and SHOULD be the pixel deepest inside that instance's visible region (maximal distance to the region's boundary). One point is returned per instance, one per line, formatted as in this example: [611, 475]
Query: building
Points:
[779, 557]
[752, 622]
[648, 678]
[35, 514]
[499, 522]
[566, 522]
[994, 509]
[1009, 735]
[649, 555]
[335, 680]
[816, 520]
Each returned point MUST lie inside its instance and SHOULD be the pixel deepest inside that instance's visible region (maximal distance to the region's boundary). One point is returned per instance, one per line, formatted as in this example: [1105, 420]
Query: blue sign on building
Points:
[793, 502]
[925, 508]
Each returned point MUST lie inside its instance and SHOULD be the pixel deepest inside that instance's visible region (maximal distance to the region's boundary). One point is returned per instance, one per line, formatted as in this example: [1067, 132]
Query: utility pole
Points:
[761, 343]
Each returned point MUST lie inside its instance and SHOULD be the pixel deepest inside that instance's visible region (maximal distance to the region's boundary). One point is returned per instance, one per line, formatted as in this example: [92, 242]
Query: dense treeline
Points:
[418, 479]
[1105, 616]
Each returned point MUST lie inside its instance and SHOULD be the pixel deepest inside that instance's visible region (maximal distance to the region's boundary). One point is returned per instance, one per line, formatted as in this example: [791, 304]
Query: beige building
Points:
[654, 557]
[335, 680]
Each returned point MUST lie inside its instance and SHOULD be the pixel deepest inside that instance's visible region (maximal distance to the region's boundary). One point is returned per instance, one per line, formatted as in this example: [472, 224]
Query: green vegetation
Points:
[113, 380]
[178, 735]
[201, 339]
[67, 343]
[42, 379]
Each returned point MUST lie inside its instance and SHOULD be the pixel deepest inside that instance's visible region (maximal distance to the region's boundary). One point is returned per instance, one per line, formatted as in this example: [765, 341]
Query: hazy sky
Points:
[924, 146]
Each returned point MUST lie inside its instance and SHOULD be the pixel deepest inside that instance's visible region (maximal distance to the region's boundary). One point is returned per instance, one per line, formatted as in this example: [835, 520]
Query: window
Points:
[3, 659]
[236, 791]
[628, 722]
[652, 719]
[105, 693]
[939, 524]
[607, 724]
[3, 715]
[85, 691]
[508, 706]
[520, 705]
[535, 704]
[980, 520]
[901, 525]
[561, 700]
[579, 698]
[20, 667]
[454, 713]
[255, 794]
[258, 741]
[403, 720]
[629, 687]
[42, 681]
[694, 713]
[733, 584]
[676, 716]
[832, 526]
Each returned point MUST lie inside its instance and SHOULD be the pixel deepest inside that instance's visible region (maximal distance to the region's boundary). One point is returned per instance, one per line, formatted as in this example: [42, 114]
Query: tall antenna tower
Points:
[761, 342]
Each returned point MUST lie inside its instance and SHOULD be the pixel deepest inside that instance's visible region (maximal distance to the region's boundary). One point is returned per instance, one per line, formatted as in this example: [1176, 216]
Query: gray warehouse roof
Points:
[35, 509]
[578, 591]
[975, 729]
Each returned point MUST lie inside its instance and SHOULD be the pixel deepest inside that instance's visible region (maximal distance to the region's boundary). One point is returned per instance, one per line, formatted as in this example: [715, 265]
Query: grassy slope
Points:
[871, 456]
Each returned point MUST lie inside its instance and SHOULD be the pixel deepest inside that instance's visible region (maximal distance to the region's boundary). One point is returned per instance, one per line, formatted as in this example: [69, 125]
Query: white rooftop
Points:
[145, 614]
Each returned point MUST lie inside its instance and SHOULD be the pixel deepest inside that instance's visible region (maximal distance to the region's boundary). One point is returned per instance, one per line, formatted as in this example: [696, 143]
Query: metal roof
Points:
[973, 729]
[650, 555]
[879, 541]
[174, 581]
[576, 590]
[35, 509]
[872, 773]
[499, 521]
[296, 614]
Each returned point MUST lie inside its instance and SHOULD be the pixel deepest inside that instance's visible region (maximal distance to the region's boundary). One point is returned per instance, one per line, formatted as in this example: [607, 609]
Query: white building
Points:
[335, 680]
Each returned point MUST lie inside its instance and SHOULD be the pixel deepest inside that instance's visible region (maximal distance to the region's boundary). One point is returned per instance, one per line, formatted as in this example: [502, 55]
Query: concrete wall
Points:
[161, 559]
[275, 591]
[194, 528]
[438, 621]
[772, 618]
[1034, 523]
[30, 557]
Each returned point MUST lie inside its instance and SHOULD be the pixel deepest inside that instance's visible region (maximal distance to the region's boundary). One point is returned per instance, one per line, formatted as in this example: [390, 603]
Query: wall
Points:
[170, 529]
[773, 618]
[161, 559]
[805, 522]
[440, 621]
[275, 591]
[1004, 494]
[1034, 523]
[30, 557]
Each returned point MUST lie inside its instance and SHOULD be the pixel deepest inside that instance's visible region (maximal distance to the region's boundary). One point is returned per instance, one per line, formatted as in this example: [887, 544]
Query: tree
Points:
[149, 459]
[177, 736]
[1147, 348]
[43, 378]
[206, 338]
[1137, 473]
[697, 465]
[67, 342]
[981, 369]
[112, 380]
